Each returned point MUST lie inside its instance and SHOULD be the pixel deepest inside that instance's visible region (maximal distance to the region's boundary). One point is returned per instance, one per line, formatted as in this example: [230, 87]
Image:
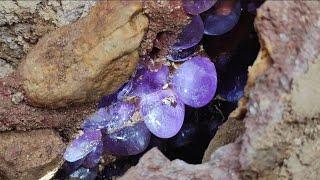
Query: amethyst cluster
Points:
[153, 101]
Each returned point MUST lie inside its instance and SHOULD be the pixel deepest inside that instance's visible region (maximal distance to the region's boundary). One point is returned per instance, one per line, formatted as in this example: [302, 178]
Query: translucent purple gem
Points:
[196, 7]
[147, 81]
[191, 35]
[195, 81]
[181, 55]
[163, 113]
[130, 140]
[232, 86]
[82, 146]
[92, 159]
[111, 117]
[222, 17]
[97, 120]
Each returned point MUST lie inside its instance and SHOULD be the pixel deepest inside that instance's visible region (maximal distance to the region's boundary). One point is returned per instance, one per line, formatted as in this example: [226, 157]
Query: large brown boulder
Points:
[85, 60]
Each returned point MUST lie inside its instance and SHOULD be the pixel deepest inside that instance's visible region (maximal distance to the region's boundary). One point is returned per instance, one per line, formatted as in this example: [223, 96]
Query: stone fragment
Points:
[83, 61]
[227, 133]
[5, 68]
[21, 116]
[154, 165]
[167, 18]
[29, 155]
[22, 23]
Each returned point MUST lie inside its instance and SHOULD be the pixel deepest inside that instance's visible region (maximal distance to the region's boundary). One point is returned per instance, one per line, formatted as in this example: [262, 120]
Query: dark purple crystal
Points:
[92, 159]
[191, 35]
[196, 7]
[130, 140]
[222, 17]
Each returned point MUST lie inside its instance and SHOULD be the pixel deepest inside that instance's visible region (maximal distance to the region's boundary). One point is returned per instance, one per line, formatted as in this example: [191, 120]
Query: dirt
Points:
[22, 160]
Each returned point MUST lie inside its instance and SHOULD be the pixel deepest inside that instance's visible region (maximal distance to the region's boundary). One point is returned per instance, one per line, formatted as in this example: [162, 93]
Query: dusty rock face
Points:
[83, 61]
[167, 18]
[22, 23]
[154, 165]
[20, 160]
[282, 120]
[227, 133]
[5, 69]
[17, 115]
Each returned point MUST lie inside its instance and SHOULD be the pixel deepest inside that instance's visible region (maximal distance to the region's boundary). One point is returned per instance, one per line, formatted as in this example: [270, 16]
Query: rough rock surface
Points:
[20, 116]
[227, 133]
[29, 155]
[167, 18]
[85, 60]
[154, 165]
[282, 121]
[22, 23]
[5, 68]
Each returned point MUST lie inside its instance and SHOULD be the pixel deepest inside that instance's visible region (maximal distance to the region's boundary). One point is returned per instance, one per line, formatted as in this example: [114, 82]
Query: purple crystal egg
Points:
[147, 81]
[163, 113]
[130, 140]
[92, 159]
[111, 117]
[195, 81]
[222, 17]
[82, 146]
[196, 7]
[97, 120]
[191, 35]
[232, 86]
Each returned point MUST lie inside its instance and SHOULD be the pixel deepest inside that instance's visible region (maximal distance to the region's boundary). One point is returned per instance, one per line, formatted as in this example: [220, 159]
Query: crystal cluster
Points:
[153, 101]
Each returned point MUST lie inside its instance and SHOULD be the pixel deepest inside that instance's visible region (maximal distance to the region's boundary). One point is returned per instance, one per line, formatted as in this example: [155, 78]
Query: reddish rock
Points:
[29, 155]
[154, 165]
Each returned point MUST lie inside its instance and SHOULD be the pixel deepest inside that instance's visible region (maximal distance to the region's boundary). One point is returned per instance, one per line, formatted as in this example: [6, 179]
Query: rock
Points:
[5, 68]
[227, 133]
[16, 114]
[167, 18]
[282, 120]
[85, 60]
[154, 165]
[29, 155]
[22, 23]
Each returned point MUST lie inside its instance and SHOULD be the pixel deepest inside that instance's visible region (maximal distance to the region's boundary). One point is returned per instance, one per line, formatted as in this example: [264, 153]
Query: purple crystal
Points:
[147, 81]
[232, 86]
[130, 140]
[191, 35]
[92, 159]
[163, 113]
[112, 117]
[196, 7]
[222, 17]
[97, 120]
[82, 146]
[181, 55]
[195, 81]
